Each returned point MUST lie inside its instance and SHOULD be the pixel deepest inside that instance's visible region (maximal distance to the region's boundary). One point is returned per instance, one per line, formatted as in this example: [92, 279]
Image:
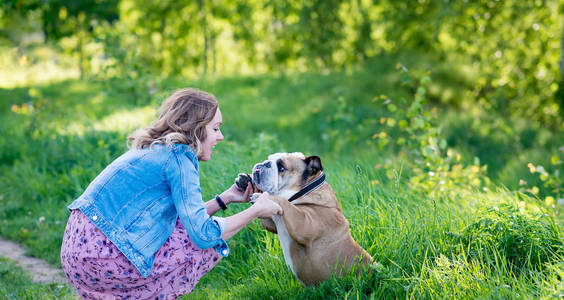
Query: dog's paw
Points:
[254, 197]
[242, 180]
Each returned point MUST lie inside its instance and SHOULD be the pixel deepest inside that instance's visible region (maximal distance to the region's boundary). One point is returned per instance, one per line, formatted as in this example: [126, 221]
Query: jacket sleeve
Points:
[184, 181]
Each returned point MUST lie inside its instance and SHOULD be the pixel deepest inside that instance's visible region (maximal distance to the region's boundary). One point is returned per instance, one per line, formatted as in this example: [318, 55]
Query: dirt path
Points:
[40, 270]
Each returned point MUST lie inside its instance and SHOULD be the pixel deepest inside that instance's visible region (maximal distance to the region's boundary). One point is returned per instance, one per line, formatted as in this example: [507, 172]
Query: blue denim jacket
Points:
[136, 200]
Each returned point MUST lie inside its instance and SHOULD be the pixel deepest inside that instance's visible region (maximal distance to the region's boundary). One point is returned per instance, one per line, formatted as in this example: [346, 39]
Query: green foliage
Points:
[507, 45]
[127, 71]
[501, 55]
[551, 181]
[63, 18]
[415, 131]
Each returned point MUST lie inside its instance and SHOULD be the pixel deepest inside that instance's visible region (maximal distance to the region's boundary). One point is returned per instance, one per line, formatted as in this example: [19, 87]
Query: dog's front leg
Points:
[299, 222]
[268, 224]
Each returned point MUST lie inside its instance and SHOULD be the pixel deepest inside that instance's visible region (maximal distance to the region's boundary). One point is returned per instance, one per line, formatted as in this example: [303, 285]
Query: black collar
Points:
[309, 187]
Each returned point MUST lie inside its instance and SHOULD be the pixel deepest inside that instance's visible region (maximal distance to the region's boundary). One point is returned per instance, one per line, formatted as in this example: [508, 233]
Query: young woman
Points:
[141, 230]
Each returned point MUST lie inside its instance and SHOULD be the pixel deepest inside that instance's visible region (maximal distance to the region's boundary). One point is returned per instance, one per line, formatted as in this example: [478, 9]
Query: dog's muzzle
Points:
[258, 169]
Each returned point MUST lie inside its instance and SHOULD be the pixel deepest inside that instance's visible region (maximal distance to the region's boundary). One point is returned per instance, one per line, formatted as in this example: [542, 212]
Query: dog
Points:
[314, 234]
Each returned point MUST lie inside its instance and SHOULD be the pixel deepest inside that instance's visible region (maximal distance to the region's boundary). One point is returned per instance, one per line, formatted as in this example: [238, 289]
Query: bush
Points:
[414, 130]
[525, 241]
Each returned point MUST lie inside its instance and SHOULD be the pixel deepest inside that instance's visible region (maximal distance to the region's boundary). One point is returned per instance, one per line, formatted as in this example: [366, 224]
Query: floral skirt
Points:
[98, 270]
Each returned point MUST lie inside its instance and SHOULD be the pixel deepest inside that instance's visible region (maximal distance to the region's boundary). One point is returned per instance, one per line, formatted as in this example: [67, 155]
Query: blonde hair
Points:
[182, 119]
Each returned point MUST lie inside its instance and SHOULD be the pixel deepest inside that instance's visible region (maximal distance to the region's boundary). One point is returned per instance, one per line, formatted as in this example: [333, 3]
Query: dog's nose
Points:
[256, 176]
[268, 164]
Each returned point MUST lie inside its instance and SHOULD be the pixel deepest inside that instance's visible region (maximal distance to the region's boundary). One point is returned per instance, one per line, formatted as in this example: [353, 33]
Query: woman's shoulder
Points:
[184, 149]
[180, 151]
[174, 147]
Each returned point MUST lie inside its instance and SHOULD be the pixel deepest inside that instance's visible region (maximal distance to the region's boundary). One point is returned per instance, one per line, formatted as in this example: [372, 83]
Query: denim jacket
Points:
[136, 200]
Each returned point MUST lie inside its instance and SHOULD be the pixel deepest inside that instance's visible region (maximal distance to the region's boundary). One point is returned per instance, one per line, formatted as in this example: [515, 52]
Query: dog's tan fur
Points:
[321, 242]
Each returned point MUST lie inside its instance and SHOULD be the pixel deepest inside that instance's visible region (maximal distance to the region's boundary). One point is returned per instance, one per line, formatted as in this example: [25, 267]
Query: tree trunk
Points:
[560, 92]
[214, 58]
[201, 4]
[80, 49]
[562, 58]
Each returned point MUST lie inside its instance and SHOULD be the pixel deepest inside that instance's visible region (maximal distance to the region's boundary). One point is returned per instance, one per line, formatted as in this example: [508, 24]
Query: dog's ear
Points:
[313, 165]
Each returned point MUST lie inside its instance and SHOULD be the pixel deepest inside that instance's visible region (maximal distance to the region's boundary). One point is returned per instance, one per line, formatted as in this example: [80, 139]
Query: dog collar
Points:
[309, 187]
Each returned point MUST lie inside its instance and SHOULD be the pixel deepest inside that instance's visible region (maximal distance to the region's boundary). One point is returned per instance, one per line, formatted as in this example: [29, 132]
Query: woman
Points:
[141, 230]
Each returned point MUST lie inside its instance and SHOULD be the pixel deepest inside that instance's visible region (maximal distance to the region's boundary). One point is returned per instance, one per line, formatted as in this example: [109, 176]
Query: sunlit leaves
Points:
[436, 167]
[510, 50]
[551, 180]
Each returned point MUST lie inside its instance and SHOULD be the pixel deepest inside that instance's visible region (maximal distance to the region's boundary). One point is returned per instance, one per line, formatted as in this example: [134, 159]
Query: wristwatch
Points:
[220, 202]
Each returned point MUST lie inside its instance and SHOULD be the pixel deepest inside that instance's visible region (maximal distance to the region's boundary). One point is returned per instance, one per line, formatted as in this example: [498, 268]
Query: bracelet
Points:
[220, 202]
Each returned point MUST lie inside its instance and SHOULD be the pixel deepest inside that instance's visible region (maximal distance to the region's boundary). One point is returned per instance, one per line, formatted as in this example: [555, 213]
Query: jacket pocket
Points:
[143, 222]
[151, 228]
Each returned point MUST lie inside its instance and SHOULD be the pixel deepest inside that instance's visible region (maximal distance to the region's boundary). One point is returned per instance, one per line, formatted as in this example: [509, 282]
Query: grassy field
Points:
[16, 284]
[472, 232]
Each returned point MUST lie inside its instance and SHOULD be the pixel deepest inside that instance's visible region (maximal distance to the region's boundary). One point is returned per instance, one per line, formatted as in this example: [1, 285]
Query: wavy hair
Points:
[182, 119]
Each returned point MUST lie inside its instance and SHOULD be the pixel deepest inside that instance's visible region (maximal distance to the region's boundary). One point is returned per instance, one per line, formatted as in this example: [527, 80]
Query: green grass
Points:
[17, 284]
[463, 243]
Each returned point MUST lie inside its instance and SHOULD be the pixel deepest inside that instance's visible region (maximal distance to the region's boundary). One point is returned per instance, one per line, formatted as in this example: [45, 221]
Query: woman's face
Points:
[214, 135]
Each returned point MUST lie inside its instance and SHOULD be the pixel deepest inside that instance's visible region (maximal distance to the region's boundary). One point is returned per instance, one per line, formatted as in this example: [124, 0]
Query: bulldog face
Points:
[284, 174]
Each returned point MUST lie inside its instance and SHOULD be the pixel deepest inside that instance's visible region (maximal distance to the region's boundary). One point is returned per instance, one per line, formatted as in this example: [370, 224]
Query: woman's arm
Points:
[233, 194]
[183, 178]
[212, 207]
[263, 207]
[204, 231]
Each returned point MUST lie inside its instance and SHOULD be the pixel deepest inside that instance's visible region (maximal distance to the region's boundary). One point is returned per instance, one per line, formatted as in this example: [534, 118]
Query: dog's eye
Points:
[280, 167]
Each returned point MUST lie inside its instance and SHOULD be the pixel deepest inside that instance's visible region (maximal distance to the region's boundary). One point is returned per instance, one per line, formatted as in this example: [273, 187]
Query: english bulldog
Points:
[314, 234]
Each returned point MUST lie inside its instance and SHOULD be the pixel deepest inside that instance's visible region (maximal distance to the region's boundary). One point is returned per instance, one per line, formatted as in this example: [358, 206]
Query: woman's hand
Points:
[266, 208]
[233, 194]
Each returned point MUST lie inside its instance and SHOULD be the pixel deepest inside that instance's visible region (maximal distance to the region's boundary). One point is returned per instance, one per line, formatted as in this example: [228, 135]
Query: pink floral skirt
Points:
[98, 270]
